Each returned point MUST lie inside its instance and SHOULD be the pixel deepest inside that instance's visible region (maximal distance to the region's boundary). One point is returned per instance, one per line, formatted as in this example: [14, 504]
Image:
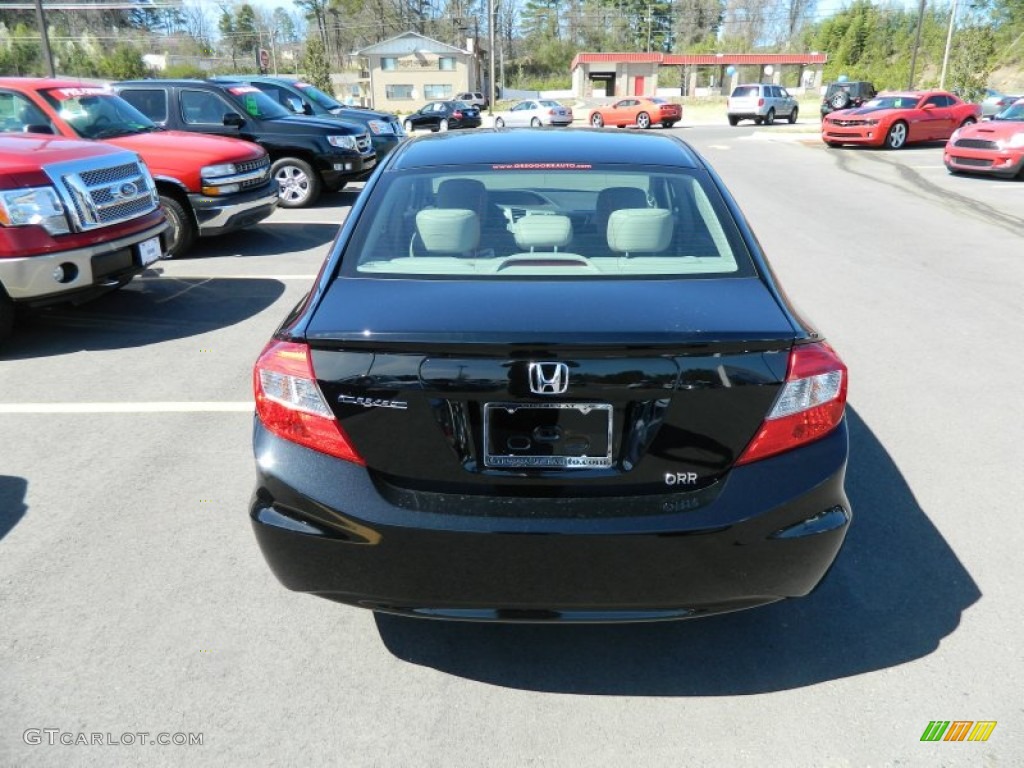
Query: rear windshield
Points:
[743, 91]
[319, 97]
[546, 220]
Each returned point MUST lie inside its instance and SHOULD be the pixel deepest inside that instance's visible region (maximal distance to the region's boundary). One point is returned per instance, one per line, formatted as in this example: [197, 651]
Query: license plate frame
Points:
[591, 423]
[150, 251]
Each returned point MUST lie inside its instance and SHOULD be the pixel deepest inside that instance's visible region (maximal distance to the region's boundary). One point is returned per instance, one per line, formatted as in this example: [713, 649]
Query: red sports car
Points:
[994, 147]
[641, 111]
[893, 119]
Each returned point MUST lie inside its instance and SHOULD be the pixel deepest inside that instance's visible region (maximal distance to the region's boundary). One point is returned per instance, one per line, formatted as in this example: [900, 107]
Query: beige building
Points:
[407, 71]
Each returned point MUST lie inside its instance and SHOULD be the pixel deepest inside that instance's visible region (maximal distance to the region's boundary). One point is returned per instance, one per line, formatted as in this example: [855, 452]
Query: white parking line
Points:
[233, 276]
[167, 407]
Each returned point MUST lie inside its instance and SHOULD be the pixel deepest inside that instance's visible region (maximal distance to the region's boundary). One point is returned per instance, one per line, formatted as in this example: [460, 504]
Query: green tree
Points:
[315, 64]
[20, 51]
[284, 26]
[123, 63]
[970, 62]
[696, 21]
[226, 27]
[246, 32]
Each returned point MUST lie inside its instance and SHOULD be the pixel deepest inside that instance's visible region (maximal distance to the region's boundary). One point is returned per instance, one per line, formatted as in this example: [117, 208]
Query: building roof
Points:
[699, 59]
[409, 43]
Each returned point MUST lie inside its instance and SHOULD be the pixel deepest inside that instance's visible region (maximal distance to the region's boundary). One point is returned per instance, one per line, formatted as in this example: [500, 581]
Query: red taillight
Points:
[760, 102]
[289, 402]
[809, 406]
[457, 114]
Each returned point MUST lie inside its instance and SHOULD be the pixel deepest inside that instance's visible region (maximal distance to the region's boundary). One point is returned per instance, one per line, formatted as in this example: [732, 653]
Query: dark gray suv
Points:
[847, 94]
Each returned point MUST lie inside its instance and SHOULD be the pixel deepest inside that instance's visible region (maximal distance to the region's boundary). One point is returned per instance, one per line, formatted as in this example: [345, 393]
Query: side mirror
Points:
[233, 119]
[307, 110]
[38, 128]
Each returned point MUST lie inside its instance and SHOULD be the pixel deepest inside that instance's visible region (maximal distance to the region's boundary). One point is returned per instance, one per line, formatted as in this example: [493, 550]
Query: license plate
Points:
[548, 435]
[149, 251]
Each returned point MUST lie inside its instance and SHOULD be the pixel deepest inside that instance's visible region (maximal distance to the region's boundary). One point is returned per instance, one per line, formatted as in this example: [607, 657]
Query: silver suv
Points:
[473, 98]
[762, 103]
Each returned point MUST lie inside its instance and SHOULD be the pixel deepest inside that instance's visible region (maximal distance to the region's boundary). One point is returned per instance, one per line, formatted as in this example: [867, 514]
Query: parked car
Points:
[641, 111]
[762, 103]
[77, 219]
[994, 147]
[534, 113]
[443, 116]
[302, 98]
[456, 424]
[474, 99]
[308, 155]
[846, 94]
[207, 186]
[893, 119]
[995, 102]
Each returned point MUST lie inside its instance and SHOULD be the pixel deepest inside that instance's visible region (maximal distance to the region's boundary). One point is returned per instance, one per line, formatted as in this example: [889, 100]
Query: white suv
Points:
[761, 103]
[473, 98]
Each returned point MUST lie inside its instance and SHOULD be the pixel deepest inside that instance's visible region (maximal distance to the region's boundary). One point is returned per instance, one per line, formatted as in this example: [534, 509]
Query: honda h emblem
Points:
[549, 378]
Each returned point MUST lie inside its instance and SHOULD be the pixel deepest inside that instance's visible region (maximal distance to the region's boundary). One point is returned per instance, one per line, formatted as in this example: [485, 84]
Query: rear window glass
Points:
[546, 220]
[743, 91]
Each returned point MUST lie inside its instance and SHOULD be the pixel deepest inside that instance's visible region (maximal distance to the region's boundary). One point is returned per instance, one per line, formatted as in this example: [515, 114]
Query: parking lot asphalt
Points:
[133, 598]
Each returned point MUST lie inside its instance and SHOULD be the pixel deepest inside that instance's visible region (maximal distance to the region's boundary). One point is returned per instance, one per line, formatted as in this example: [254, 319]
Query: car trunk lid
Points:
[550, 388]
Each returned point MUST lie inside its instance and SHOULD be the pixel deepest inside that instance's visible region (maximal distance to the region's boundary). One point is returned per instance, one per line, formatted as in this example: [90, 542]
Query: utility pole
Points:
[917, 44]
[44, 35]
[490, 56]
[949, 41]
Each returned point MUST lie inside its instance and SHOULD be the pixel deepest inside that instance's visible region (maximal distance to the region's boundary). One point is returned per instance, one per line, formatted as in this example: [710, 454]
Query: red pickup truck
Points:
[208, 185]
[76, 219]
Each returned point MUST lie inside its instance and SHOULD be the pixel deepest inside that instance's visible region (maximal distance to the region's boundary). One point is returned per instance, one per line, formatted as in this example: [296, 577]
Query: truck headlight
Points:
[343, 142]
[34, 205]
[217, 171]
[212, 176]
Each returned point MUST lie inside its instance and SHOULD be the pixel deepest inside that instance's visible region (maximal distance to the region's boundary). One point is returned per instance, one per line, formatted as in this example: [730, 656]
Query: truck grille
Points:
[102, 191]
[257, 172]
[363, 142]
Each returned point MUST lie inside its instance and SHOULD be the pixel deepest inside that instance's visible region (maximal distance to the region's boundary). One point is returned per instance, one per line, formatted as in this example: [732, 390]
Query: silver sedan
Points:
[534, 113]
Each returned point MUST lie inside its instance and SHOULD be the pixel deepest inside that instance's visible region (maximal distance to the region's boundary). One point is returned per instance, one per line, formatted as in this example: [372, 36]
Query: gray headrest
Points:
[543, 231]
[448, 230]
[639, 230]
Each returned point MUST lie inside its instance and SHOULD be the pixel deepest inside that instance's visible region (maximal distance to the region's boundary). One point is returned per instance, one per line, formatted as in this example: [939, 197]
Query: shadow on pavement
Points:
[895, 591]
[265, 239]
[12, 502]
[143, 312]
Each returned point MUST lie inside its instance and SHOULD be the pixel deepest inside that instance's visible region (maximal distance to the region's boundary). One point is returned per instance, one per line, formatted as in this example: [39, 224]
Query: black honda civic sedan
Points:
[536, 381]
[443, 116]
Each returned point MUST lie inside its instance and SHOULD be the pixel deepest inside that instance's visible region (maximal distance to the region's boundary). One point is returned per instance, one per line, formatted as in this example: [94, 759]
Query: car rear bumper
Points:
[1001, 163]
[220, 215]
[770, 531]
